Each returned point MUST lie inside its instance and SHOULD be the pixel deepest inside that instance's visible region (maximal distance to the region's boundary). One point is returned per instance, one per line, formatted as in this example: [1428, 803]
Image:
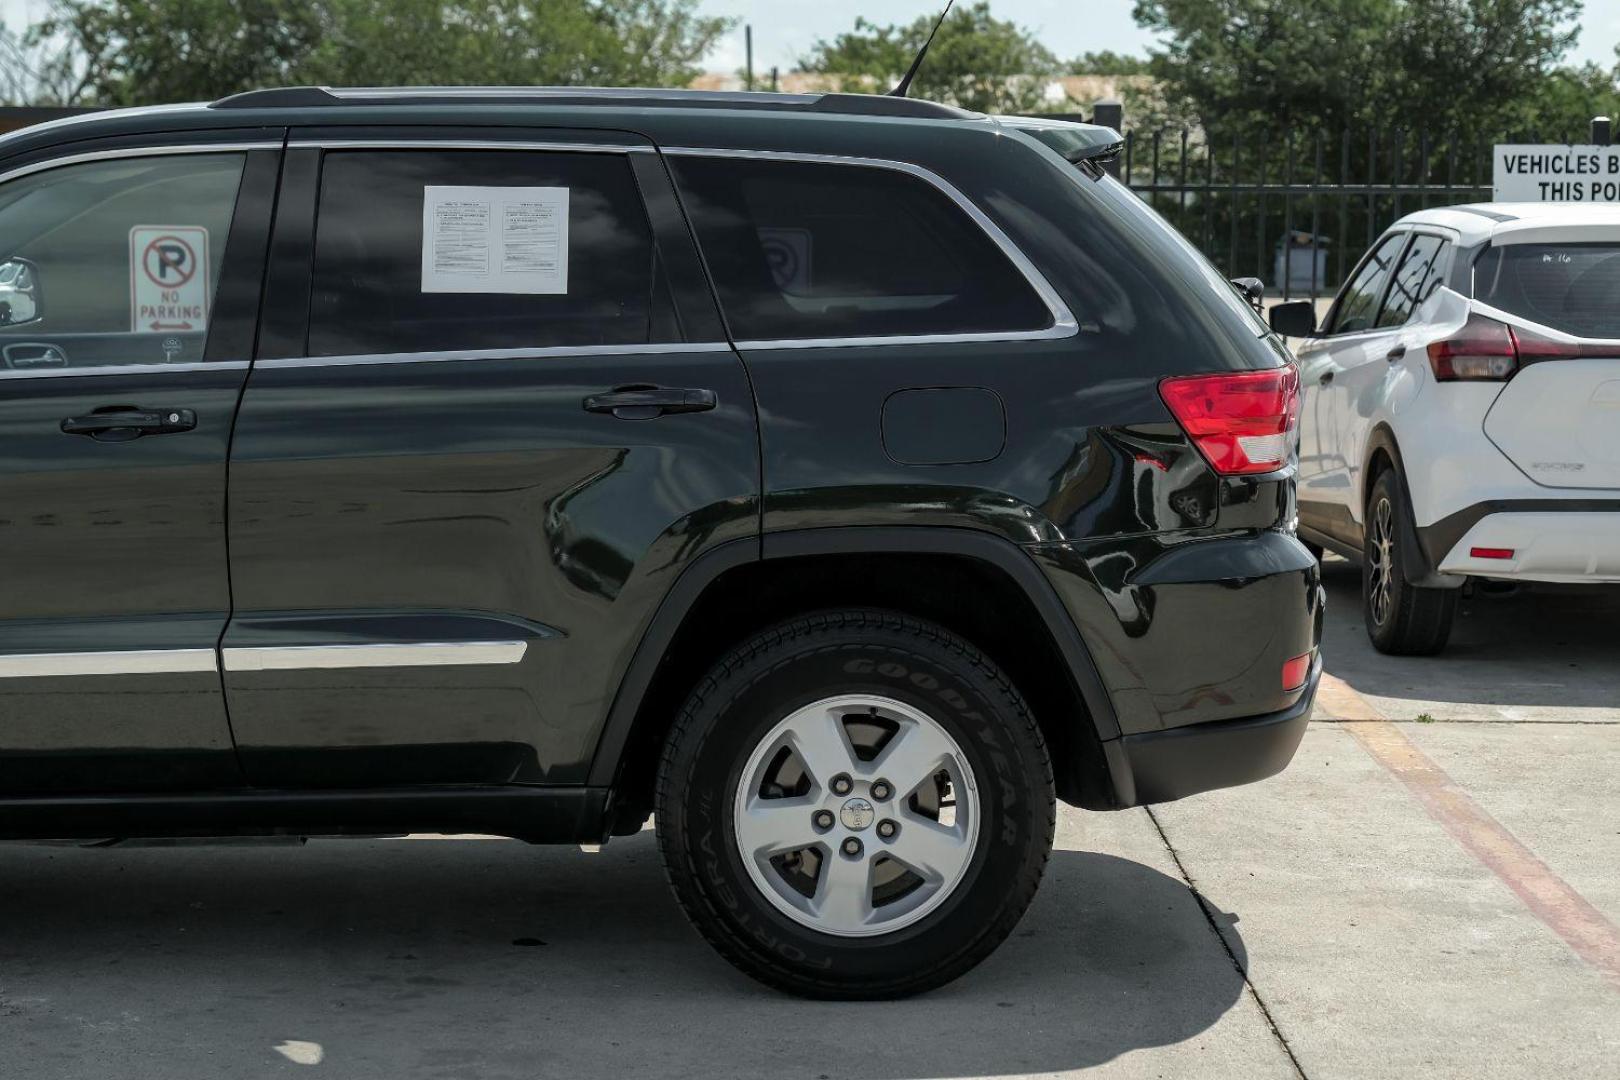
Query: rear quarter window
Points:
[1574, 288]
[806, 250]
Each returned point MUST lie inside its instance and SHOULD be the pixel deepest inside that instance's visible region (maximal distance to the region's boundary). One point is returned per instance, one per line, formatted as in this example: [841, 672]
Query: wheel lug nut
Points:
[852, 847]
[824, 820]
[887, 829]
[841, 785]
[881, 790]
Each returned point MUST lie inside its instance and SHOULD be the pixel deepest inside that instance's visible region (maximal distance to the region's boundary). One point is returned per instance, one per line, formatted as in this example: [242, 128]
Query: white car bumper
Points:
[1569, 547]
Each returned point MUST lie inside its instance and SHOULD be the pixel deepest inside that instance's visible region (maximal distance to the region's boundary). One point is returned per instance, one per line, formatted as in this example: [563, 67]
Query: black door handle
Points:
[646, 402]
[1395, 354]
[118, 423]
[1325, 378]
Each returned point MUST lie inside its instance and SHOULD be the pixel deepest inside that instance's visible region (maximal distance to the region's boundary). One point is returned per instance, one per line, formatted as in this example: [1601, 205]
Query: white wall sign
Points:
[494, 239]
[1556, 173]
[168, 279]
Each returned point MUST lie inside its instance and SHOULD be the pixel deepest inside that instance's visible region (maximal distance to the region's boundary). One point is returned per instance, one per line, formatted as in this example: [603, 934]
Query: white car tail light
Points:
[1486, 350]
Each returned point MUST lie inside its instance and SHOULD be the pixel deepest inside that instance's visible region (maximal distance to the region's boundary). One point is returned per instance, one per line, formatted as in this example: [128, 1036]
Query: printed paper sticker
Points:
[495, 240]
[168, 279]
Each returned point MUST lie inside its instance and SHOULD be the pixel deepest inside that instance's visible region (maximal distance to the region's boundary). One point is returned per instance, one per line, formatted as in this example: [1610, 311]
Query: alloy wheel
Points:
[1380, 562]
[857, 815]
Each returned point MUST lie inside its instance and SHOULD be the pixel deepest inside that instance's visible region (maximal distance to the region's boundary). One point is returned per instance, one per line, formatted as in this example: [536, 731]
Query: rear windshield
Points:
[1570, 287]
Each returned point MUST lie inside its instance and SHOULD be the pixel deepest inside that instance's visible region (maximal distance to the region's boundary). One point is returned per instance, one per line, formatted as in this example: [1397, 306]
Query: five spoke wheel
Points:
[857, 815]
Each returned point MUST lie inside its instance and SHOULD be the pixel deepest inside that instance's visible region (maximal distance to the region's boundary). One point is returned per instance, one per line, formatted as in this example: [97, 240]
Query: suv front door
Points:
[122, 365]
[493, 417]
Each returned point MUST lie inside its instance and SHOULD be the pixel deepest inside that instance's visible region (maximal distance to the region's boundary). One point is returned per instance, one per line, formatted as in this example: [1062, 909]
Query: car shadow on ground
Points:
[485, 958]
[1540, 645]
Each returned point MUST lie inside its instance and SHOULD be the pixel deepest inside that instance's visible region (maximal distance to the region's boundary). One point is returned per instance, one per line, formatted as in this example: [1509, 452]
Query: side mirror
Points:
[1251, 289]
[20, 301]
[1296, 318]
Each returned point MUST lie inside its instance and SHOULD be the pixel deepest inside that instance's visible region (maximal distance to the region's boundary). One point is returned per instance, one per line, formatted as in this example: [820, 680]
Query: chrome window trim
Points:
[127, 662]
[456, 355]
[1064, 324]
[373, 655]
[125, 369]
[114, 153]
[430, 142]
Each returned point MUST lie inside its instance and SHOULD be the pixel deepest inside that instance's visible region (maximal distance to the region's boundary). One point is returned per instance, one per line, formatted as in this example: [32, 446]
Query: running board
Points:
[539, 815]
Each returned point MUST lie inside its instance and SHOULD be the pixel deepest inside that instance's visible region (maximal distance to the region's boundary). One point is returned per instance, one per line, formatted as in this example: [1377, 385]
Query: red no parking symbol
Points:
[169, 262]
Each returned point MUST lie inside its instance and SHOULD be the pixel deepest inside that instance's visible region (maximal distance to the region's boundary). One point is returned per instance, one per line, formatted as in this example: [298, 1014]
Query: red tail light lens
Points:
[1241, 421]
[1483, 350]
[1490, 351]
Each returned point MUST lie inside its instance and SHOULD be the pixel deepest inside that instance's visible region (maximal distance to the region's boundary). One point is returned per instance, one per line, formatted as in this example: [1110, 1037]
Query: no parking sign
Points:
[168, 279]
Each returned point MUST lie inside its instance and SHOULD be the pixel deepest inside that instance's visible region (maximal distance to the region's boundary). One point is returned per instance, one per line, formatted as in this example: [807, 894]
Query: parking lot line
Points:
[1566, 912]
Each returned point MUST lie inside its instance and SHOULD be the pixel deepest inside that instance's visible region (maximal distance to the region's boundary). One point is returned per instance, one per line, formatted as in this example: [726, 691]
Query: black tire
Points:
[1402, 619]
[821, 655]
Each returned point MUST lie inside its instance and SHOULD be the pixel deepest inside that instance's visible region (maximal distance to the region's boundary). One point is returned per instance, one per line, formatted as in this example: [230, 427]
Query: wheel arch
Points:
[728, 593]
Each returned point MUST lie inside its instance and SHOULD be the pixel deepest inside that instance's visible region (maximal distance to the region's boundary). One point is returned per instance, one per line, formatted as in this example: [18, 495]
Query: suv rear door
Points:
[1558, 418]
[130, 289]
[493, 417]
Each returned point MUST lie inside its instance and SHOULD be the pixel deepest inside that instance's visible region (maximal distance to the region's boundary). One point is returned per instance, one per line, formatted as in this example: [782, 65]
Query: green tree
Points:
[141, 51]
[135, 52]
[1108, 62]
[977, 61]
[1272, 65]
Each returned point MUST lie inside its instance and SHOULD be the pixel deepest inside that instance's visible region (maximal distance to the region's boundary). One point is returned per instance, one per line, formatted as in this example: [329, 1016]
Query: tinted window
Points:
[502, 268]
[802, 250]
[1418, 277]
[1359, 300]
[1570, 287]
[113, 262]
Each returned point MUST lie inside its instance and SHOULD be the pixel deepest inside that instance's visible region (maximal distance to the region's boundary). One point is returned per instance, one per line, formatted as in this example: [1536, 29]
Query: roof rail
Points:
[301, 97]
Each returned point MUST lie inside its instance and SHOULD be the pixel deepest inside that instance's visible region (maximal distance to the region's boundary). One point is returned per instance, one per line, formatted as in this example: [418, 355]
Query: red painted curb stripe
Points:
[1549, 897]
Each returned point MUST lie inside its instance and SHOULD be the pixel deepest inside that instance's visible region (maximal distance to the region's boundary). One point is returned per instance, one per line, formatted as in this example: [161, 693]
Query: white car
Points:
[1461, 414]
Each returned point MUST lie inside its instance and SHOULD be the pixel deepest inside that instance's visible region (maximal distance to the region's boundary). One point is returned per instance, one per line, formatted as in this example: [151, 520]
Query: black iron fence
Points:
[1297, 211]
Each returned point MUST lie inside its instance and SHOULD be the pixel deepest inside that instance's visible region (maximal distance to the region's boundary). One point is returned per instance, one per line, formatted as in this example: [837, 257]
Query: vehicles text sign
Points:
[1526, 173]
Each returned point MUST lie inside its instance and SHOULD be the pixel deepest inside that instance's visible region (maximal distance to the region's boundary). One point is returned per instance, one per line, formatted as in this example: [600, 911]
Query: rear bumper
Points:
[1570, 540]
[1159, 766]
[1561, 546]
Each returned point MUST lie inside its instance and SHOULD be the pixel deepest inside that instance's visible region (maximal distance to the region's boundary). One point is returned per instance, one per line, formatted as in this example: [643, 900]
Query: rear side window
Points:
[1417, 277]
[1570, 287]
[424, 250]
[1359, 301]
[808, 250]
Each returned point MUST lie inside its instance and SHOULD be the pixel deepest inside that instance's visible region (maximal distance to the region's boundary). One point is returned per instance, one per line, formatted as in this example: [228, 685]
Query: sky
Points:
[785, 29]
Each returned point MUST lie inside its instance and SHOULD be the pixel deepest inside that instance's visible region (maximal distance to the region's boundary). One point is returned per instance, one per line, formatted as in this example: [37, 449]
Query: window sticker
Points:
[168, 279]
[495, 240]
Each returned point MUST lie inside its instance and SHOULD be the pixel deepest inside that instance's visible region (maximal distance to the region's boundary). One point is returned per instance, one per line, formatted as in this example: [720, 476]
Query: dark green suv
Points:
[841, 479]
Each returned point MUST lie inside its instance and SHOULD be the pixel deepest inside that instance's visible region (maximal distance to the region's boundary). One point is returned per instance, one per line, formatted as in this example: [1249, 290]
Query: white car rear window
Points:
[1570, 287]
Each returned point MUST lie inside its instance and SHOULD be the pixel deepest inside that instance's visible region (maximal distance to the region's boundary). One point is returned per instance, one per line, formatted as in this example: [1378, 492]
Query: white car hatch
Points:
[1558, 418]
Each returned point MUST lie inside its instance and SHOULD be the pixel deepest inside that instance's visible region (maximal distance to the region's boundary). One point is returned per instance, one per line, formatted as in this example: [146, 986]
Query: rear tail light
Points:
[1297, 670]
[1485, 350]
[1241, 421]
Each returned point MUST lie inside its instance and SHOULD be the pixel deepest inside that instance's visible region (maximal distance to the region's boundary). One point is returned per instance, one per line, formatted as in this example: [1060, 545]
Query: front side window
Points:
[113, 262]
[1415, 280]
[802, 250]
[424, 250]
[1358, 303]
[1570, 287]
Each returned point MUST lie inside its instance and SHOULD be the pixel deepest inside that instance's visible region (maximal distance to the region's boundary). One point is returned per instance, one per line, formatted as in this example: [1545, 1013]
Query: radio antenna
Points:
[905, 83]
